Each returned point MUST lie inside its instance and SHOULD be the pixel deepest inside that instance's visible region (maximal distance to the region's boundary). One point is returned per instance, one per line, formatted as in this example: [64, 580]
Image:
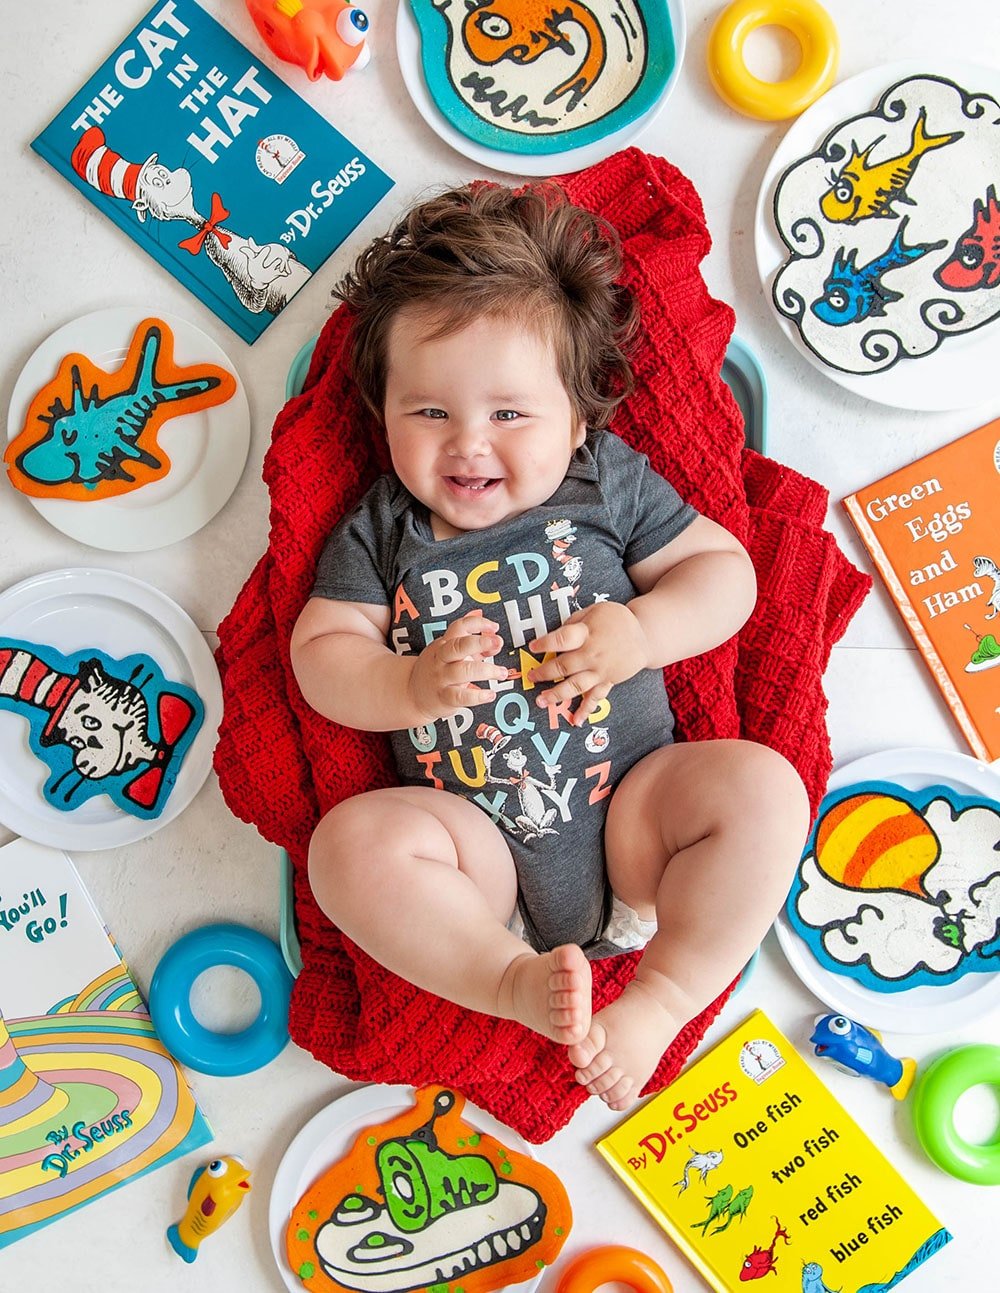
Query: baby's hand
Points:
[596, 647]
[445, 673]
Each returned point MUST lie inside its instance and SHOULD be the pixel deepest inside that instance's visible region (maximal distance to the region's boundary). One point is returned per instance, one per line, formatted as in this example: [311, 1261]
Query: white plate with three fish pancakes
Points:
[905, 336]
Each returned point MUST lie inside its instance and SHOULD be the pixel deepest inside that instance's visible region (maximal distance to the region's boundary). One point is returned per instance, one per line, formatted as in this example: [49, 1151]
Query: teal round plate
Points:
[596, 75]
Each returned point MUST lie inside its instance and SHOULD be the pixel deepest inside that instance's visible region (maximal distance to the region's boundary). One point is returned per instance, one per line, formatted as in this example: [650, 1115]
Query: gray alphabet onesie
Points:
[543, 781]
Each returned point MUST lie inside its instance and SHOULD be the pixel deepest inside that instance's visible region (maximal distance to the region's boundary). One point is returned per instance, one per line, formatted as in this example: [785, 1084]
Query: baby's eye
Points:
[431, 413]
[506, 415]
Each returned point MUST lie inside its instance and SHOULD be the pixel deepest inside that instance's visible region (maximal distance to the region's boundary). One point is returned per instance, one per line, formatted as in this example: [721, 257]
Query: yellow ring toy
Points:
[811, 26]
[610, 1264]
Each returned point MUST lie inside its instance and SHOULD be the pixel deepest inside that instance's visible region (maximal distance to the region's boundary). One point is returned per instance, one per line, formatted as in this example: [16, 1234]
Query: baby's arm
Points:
[694, 593]
[347, 672]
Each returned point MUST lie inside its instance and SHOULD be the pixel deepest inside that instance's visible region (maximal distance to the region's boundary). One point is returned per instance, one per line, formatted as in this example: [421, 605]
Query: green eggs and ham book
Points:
[188, 141]
[89, 1098]
[756, 1172]
[931, 529]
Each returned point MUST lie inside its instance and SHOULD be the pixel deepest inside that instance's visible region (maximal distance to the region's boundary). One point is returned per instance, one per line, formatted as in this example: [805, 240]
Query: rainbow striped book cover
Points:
[89, 1098]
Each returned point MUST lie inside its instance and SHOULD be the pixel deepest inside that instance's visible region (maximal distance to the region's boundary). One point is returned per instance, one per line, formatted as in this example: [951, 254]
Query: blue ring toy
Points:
[221, 1054]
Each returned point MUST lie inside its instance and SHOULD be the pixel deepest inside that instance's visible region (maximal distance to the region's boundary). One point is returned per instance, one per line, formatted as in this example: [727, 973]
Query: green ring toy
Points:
[938, 1090]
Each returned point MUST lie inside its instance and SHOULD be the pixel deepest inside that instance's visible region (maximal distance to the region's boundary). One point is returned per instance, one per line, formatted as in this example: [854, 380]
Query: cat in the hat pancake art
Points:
[102, 726]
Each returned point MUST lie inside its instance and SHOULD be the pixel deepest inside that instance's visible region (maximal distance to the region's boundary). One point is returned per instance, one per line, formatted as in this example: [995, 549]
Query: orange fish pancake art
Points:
[423, 1199]
[522, 30]
[90, 434]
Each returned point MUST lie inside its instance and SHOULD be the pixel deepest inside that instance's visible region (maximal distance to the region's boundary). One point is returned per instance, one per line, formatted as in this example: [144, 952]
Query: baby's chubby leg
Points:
[424, 882]
[705, 837]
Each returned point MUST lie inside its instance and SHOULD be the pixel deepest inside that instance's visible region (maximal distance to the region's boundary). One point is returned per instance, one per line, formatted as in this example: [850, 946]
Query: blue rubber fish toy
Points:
[851, 294]
[859, 1051]
[217, 1189]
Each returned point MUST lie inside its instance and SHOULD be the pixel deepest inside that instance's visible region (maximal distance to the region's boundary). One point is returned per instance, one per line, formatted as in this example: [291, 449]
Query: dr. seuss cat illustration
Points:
[102, 726]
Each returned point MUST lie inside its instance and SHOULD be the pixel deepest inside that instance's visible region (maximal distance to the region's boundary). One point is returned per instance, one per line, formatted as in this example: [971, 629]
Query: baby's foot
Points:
[549, 992]
[624, 1045]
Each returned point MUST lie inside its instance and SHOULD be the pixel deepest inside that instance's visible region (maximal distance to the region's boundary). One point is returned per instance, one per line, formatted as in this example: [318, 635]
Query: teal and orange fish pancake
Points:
[90, 434]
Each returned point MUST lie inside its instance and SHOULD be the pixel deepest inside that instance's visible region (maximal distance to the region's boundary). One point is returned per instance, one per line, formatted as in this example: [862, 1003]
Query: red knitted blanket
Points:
[281, 766]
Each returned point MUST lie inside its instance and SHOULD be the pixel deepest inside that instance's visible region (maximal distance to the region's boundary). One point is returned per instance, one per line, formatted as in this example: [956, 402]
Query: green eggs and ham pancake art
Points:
[892, 228]
[530, 76]
[425, 1199]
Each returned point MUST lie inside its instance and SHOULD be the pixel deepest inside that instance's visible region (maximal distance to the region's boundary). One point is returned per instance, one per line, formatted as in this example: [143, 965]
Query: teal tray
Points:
[741, 371]
[744, 376]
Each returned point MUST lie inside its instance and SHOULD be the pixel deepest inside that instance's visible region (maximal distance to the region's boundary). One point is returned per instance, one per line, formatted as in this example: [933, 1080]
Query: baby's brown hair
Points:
[529, 255]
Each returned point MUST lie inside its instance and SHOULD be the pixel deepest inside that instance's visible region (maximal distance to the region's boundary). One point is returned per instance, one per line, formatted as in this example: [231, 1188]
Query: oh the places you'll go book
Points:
[932, 530]
[89, 1098]
[756, 1172]
[211, 163]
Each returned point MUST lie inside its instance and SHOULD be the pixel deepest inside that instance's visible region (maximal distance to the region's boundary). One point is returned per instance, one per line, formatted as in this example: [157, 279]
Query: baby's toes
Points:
[583, 1054]
[567, 1025]
[606, 1082]
[621, 1094]
[601, 1065]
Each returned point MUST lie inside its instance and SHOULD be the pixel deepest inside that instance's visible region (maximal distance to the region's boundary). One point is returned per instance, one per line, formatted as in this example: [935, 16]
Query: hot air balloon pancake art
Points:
[900, 888]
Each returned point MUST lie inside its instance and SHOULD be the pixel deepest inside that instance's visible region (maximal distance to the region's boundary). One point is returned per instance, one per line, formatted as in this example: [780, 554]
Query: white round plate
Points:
[207, 449]
[960, 373]
[72, 610]
[328, 1137]
[572, 159]
[917, 1010]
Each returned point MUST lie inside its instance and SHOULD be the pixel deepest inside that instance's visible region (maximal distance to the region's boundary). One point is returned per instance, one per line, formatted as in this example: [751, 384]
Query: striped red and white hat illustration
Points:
[496, 738]
[24, 677]
[105, 169]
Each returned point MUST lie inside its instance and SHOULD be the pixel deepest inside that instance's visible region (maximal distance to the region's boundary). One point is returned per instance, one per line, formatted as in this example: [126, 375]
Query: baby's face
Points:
[479, 424]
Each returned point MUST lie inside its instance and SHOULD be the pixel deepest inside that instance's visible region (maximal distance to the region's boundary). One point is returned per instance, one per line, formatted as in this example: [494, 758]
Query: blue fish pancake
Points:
[90, 434]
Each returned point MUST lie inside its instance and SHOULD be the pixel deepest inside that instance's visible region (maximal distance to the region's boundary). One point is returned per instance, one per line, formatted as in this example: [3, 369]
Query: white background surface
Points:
[63, 259]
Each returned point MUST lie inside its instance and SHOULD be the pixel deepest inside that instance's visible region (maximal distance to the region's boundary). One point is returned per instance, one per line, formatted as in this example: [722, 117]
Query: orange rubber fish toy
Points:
[324, 37]
[860, 191]
[217, 1189]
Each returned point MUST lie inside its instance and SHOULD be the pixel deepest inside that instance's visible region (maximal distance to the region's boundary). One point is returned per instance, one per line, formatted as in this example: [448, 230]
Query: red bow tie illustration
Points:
[174, 714]
[195, 243]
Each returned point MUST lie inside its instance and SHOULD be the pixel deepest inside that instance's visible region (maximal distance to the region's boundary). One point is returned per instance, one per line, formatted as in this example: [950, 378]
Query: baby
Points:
[503, 603]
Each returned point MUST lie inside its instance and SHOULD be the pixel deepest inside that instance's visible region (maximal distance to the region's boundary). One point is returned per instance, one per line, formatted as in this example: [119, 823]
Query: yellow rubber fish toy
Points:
[217, 1189]
[860, 190]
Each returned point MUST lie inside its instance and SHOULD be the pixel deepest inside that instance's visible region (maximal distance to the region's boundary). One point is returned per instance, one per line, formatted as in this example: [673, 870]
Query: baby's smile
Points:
[464, 485]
